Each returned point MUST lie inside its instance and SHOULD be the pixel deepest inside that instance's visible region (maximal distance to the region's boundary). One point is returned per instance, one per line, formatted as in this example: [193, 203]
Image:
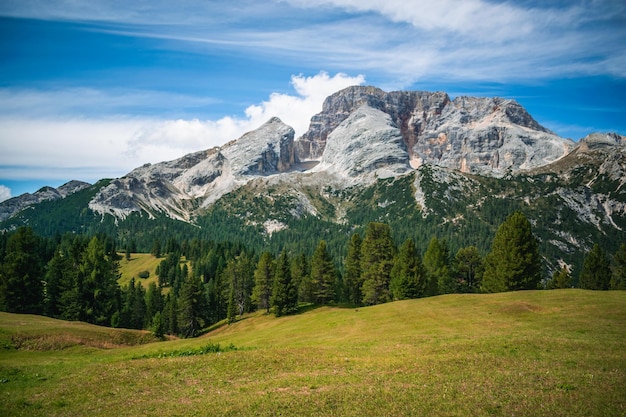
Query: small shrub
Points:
[144, 274]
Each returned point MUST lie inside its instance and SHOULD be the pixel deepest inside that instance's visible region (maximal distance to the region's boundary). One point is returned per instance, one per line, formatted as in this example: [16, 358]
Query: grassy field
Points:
[137, 263]
[538, 353]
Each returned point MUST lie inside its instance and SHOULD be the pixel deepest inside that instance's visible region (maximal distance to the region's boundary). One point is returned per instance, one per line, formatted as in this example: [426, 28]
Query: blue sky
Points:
[92, 89]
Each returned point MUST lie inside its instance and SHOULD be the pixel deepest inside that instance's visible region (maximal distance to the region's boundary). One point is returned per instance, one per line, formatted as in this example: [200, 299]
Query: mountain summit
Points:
[362, 133]
[489, 136]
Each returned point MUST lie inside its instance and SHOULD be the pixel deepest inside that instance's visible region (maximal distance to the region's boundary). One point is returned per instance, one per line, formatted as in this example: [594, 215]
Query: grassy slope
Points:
[142, 262]
[530, 353]
[138, 262]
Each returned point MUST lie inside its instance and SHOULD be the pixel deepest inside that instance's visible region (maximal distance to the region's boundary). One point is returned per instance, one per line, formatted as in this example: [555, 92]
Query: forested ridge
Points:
[75, 277]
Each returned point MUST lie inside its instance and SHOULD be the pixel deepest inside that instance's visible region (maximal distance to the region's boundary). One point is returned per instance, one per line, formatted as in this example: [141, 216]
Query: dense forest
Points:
[75, 277]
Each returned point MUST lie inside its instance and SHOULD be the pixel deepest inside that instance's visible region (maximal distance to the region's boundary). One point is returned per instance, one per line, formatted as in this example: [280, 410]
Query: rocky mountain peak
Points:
[481, 135]
[266, 150]
[601, 140]
[16, 204]
[173, 186]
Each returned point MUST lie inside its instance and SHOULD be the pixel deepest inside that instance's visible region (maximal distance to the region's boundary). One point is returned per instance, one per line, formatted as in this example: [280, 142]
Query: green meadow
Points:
[537, 353]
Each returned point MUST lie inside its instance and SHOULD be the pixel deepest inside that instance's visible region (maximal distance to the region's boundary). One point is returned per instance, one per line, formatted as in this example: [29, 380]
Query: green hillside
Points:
[552, 353]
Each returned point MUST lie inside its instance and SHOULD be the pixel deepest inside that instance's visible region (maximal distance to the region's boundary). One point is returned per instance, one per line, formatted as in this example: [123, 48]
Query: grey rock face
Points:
[479, 135]
[176, 187]
[366, 142]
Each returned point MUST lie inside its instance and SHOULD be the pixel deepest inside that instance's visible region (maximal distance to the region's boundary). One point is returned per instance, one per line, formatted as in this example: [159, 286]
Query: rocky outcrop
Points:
[475, 135]
[14, 205]
[177, 187]
[364, 143]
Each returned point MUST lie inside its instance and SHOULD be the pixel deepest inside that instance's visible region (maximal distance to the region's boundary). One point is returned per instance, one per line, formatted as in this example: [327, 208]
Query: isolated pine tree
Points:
[596, 271]
[377, 253]
[514, 262]
[408, 278]
[323, 275]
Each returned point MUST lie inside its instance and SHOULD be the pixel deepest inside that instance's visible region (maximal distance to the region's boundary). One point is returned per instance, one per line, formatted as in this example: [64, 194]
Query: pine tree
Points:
[436, 264]
[514, 262]
[596, 271]
[468, 269]
[301, 274]
[263, 281]
[618, 276]
[239, 276]
[158, 328]
[408, 278]
[561, 278]
[323, 275]
[377, 253]
[156, 249]
[98, 283]
[353, 276]
[192, 307]
[284, 293]
[154, 301]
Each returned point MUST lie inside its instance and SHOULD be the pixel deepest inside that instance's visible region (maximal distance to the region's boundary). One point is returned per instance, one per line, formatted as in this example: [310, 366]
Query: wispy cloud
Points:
[33, 145]
[407, 40]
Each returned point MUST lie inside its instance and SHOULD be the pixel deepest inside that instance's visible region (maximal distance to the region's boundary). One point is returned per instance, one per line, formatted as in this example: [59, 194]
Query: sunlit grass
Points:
[137, 263]
[552, 353]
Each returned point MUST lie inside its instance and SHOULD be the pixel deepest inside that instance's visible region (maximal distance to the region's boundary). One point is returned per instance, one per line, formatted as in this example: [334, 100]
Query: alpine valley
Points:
[418, 161]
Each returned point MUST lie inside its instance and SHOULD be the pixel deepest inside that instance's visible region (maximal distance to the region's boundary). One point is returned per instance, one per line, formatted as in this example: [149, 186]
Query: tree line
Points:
[75, 277]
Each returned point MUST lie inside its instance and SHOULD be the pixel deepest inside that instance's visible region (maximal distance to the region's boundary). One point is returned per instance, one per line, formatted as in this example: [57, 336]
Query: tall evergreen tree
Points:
[323, 275]
[353, 277]
[192, 307]
[154, 301]
[514, 262]
[301, 274]
[408, 278]
[618, 270]
[437, 266]
[22, 273]
[263, 281]
[239, 276]
[284, 292]
[596, 271]
[468, 269]
[98, 286]
[377, 253]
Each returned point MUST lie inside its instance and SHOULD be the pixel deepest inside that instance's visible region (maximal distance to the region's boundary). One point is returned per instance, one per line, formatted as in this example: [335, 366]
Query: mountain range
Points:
[421, 161]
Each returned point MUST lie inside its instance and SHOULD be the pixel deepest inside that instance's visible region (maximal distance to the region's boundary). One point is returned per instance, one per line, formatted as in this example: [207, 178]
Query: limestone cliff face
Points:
[177, 187]
[478, 135]
[367, 142]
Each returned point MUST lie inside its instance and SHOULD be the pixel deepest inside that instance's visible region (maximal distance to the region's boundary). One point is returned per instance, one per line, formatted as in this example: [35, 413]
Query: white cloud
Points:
[88, 149]
[5, 193]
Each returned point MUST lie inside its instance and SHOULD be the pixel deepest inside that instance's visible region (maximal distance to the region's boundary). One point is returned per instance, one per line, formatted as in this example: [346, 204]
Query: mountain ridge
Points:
[487, 136]
[420, 161]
